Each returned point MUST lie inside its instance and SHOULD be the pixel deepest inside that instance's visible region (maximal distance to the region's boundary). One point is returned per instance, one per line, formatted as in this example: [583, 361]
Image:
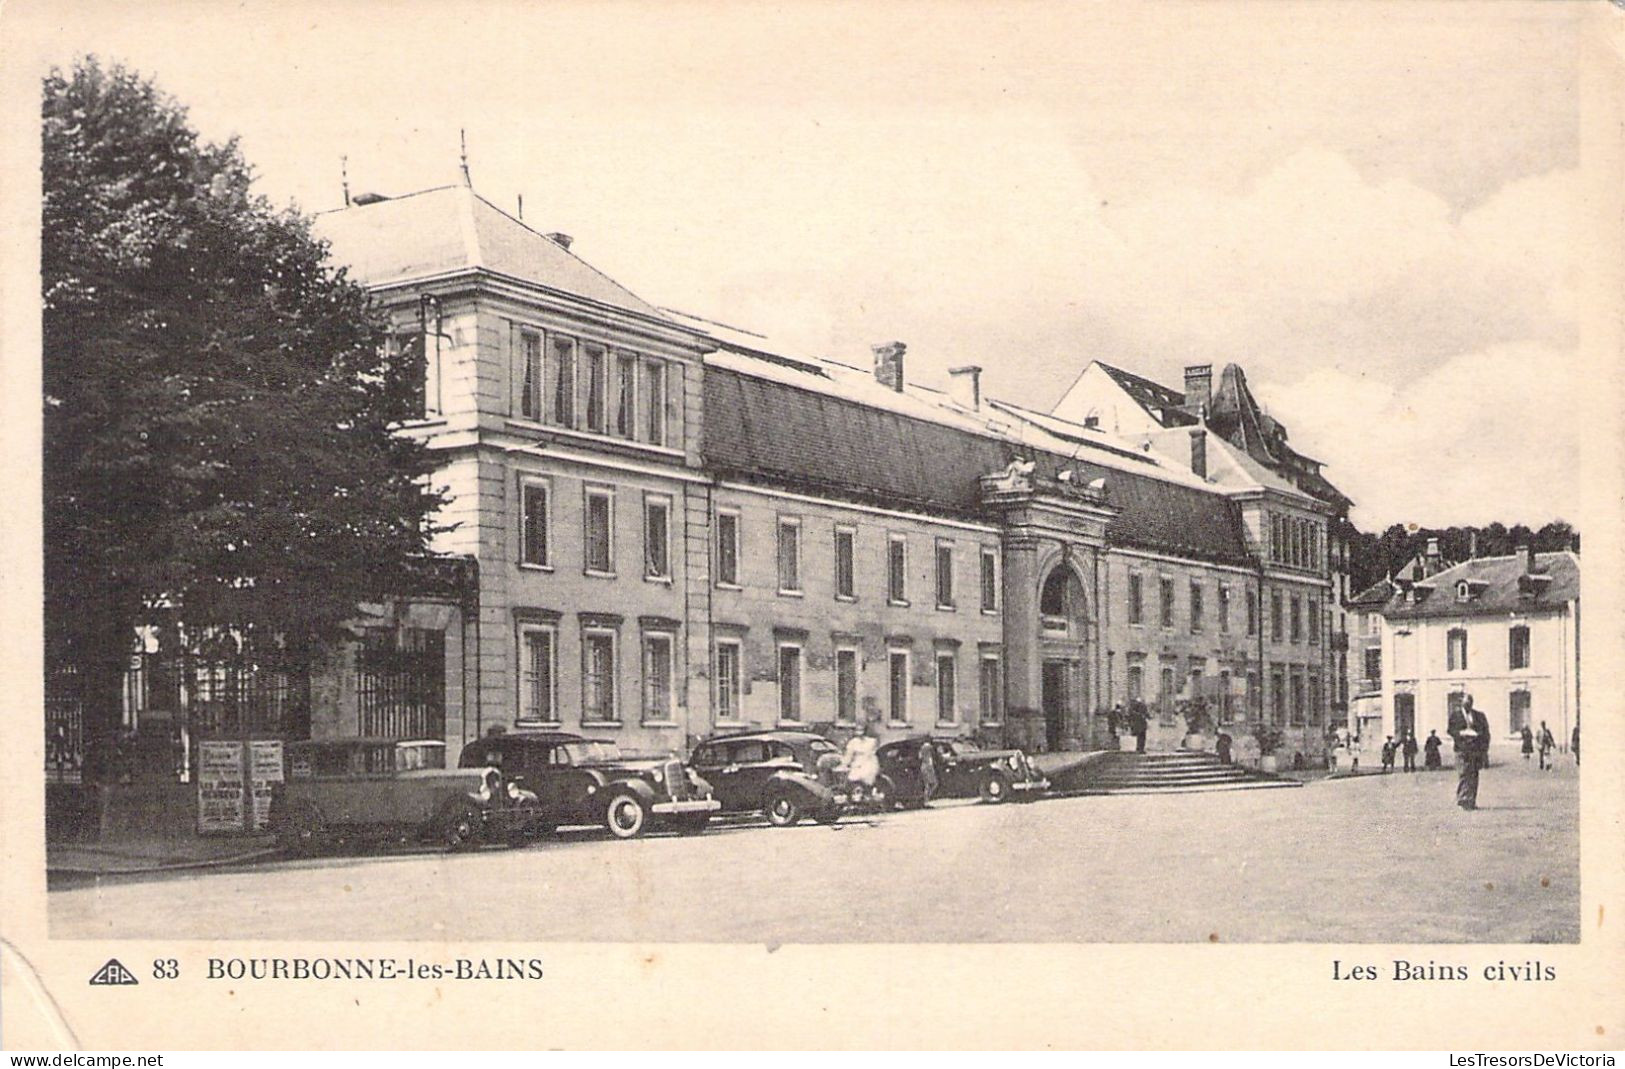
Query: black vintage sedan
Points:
[785, 775]
[963, 770]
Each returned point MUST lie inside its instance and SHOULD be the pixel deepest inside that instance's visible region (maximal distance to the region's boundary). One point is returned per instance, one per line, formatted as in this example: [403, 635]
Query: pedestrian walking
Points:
[928, 772]
[1547, 744]
[1430, 758]
[1388, 755]
[1528, 744]
[1139, 722]
[1355, 746]
[1409, 750]
[1470, 729]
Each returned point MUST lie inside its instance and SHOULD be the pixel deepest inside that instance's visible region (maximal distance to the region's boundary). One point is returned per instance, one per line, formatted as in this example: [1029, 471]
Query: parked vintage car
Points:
[785, 775]
[368, 789]
[588, 781]
[964, 770]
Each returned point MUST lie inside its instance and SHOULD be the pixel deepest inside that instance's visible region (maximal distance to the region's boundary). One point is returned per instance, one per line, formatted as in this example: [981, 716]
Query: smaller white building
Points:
[1502, 629]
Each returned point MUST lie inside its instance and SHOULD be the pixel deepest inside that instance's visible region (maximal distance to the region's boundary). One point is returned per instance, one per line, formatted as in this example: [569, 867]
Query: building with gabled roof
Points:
[1505, 630]
[683, 526]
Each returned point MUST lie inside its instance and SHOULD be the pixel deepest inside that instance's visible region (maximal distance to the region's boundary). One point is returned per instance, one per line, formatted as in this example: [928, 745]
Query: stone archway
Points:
[1063, 619]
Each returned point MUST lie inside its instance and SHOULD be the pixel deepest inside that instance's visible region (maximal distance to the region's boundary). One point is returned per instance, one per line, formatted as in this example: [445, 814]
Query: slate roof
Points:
[765, 431]
[452, 228]
[1159, 402]
[1501, 592]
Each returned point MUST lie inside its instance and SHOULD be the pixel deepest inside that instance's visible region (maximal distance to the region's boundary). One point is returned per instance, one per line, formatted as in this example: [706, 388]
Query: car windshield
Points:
[581, 753]
[824, 746]
[960, 746]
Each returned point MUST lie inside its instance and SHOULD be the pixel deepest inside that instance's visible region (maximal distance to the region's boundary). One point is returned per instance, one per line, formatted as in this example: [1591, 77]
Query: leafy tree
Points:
[218, 406]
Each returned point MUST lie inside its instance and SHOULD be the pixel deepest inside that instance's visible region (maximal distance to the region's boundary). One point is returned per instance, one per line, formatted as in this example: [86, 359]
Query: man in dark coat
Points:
[1139, 722]
[1471, 731]
[1431, 757]
[1409, 750]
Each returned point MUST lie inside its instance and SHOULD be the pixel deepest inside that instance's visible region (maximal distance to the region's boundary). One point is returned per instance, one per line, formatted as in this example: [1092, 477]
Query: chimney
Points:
[1198, 389]
[1431, 567]
[965, 386]
[1199, 452]
[561, 240]
[1526, 559]
[889, 364]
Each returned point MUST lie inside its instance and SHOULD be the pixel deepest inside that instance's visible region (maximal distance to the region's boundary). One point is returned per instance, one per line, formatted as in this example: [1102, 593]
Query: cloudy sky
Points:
[1371, 209]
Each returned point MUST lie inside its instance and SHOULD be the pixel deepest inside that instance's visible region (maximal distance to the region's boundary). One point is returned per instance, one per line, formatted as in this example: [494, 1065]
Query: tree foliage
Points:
[1374, 557]
[219, 403]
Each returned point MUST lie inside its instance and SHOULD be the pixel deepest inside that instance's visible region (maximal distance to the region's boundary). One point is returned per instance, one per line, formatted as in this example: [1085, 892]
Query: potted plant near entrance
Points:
[1269, 739]
[1198, 724]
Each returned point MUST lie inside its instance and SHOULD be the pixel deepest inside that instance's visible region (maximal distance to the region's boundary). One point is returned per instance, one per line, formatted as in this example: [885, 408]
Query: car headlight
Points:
[658, 775]
[1014, 761]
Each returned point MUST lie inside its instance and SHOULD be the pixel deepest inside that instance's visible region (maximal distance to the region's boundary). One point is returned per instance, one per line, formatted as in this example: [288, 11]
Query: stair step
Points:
[1247, 785]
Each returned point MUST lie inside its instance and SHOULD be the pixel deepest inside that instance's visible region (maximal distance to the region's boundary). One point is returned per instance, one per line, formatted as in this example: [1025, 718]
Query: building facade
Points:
[679, 527]
[1504, 630]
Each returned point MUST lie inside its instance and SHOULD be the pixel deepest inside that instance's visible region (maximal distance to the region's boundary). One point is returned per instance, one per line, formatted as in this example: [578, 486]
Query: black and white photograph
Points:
[774, 497]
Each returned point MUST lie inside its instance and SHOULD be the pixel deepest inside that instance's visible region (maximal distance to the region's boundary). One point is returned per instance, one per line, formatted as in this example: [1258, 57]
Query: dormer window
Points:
[1464, 591]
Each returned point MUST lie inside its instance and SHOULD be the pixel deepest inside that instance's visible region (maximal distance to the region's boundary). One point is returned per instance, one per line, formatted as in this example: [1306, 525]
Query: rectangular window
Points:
[1253, 706]
[990, 688]
[626, 395]
[533, 529]
[1226, 704]
[1299, 706]
[897, 570]
[1518, 647]
[1224, 609]
[538, 686]
[789, 547]
[1277, 696]
[846, 584]
[790, 684]
[1167, 587]
[1518, 711]
[600, 532]
[1196, 606]
[596, 370]
[947, 688]
[654, 390]
[897, 673]
[1312, 612]
[846, 686]
[564, 386]
[1315, 714]
[729, 680]
[1168, 691]
[1297, 618]
[1456, 649]
[990, 579]
[1252, 612]
[1373, 666]
[530, 376]
[598, 677]
[657, 538]
[1136, 599]
[1136, 682]
[657, 677]
[945, 575]
[727, 549]
[1275, 616]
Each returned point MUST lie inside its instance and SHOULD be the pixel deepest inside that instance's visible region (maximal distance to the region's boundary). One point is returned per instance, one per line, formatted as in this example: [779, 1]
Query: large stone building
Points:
[680, 527]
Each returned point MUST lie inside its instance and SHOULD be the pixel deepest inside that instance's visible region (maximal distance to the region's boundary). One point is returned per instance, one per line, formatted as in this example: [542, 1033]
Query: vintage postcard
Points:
[930, 524]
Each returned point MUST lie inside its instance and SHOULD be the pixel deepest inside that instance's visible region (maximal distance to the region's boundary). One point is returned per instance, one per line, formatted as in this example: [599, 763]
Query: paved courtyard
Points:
[1378, 859]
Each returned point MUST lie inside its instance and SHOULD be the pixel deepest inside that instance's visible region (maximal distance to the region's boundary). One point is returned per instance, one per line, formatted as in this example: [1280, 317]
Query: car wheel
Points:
[692, 824]
[463, 827]
[886, 794]
[626, 816]
[782, 811]
[995, 788]
[303, 831]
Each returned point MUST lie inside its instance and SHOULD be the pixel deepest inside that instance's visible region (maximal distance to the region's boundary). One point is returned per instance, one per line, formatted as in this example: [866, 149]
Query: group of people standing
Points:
[1545, 743]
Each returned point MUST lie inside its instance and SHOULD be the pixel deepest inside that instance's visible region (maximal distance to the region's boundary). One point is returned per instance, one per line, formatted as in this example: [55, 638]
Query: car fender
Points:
[811, 791]
[637, 786]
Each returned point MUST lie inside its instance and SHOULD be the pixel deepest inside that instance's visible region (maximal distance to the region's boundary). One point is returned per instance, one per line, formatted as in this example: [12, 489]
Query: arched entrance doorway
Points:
[1062, 619]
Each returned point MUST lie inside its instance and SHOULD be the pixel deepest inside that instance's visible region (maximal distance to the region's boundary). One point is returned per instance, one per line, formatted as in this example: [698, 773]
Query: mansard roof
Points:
[765, 430]
[1499, 586]
[439, 232]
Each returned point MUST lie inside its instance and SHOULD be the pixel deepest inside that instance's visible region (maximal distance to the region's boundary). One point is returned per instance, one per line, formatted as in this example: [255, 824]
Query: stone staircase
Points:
[1180, 771]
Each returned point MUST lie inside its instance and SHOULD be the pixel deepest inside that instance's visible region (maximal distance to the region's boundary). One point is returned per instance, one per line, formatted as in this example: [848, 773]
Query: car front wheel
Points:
[995, 788]
[783, 811]
[626, 816]
[464, 827]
